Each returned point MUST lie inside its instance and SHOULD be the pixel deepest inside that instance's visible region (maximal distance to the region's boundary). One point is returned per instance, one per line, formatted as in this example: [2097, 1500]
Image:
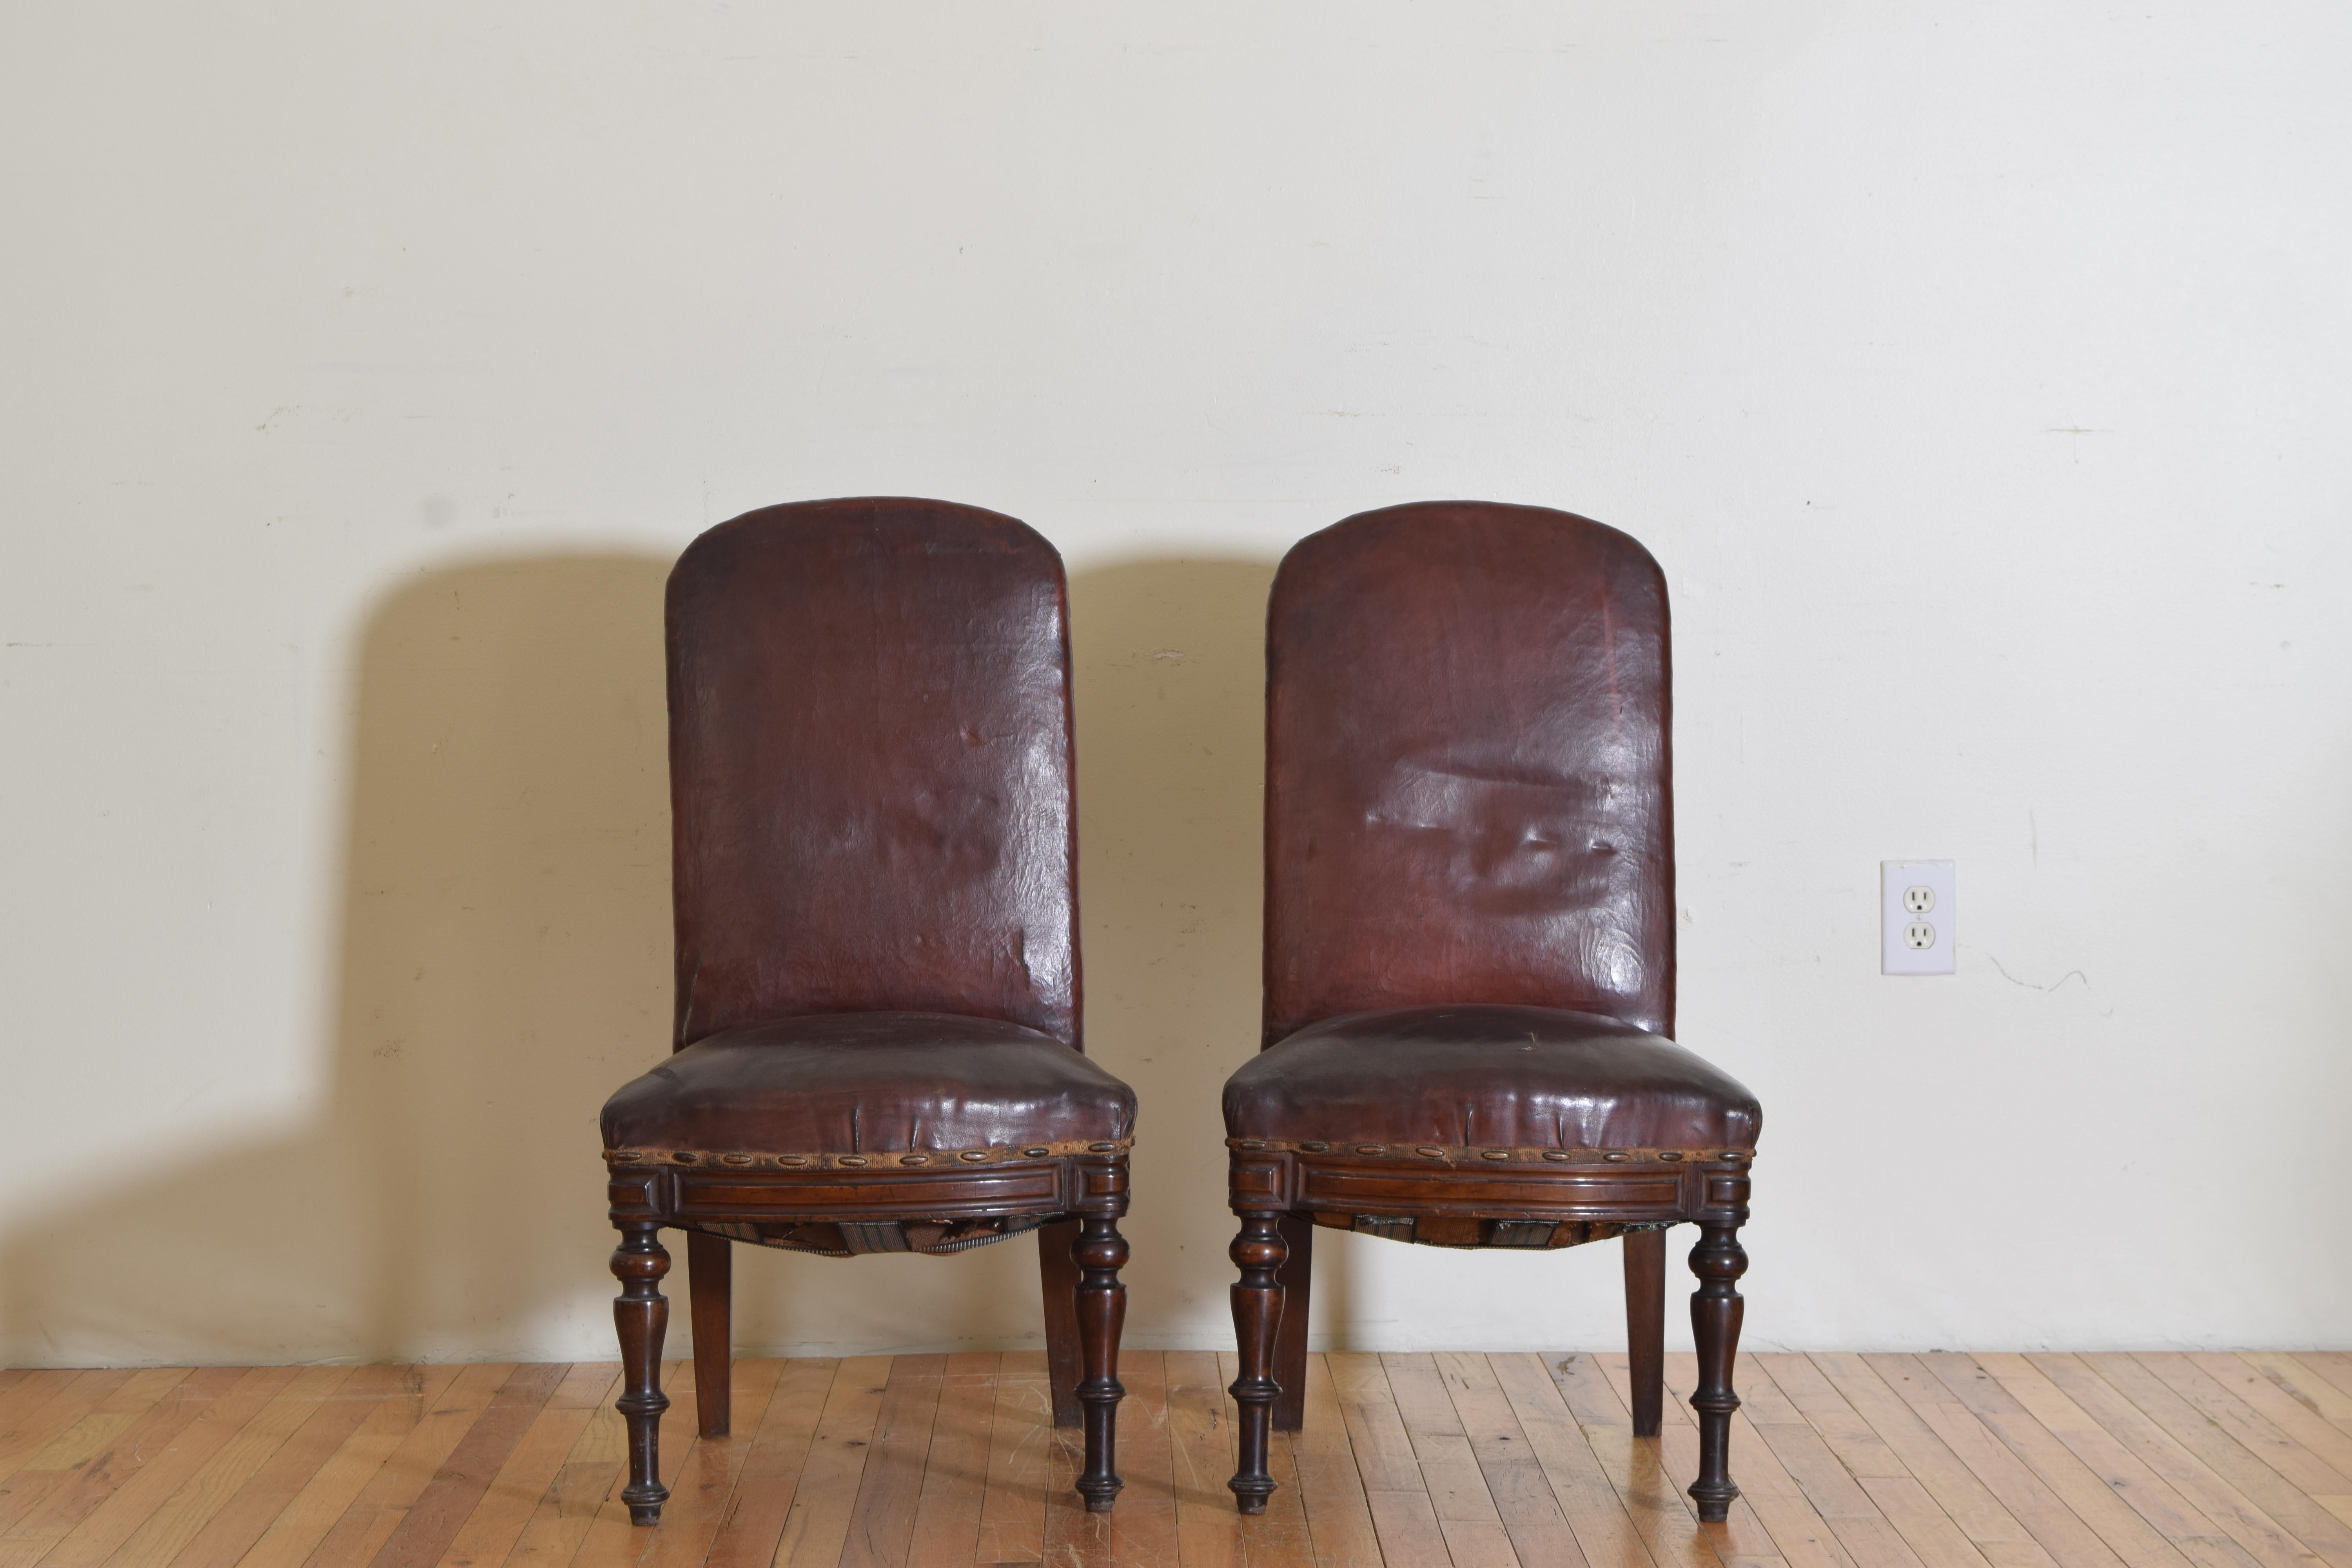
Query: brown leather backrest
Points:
[870, 776]
[1468, 782]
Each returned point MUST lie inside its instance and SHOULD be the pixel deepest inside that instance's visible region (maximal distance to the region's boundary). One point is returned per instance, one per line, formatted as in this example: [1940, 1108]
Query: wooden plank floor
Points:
[929, 1461]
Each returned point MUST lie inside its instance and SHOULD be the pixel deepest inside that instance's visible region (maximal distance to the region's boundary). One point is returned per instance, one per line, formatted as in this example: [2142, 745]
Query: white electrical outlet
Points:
[1915, 901]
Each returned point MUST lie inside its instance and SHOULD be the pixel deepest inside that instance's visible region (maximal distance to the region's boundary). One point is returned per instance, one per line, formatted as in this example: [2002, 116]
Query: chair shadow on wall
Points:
[504, 963]
[501, 964]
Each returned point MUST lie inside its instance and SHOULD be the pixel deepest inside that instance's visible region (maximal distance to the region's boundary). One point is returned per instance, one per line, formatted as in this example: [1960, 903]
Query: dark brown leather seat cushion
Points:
[857, 1083]
[1500, 1077]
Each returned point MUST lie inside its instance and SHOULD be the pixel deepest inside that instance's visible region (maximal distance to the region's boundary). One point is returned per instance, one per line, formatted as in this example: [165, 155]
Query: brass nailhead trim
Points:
[740, 1159]
[1733, 1157]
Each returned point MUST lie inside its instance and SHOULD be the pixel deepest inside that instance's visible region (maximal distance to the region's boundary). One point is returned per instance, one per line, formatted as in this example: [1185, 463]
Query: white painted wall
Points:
[1978, 374]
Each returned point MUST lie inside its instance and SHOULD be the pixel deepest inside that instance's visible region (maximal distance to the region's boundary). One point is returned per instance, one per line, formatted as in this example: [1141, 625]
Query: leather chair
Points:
[875, 871]
[1470, 942]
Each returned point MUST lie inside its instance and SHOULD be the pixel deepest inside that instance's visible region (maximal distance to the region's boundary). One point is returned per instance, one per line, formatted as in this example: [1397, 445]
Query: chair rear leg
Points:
[1259, 1252]
[1645, 1326]
[641, 1314]
[710, 1282]
[1057, 1276]
[1298, 1280]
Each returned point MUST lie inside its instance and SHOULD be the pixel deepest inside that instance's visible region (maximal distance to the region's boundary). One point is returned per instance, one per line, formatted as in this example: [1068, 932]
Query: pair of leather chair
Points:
[1469, 943]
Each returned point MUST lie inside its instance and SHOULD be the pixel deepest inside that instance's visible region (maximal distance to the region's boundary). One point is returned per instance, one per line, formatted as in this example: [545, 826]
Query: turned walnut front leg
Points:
[1100, 1252]
[1718, 1261]
[641, 1313]
[1259, 1251]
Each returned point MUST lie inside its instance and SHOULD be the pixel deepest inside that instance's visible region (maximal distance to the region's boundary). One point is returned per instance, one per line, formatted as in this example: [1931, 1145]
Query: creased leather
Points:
[859, 1083]
[870, 768]
[875, 867]
[1501, 1076]
[1469, 841]
[1468, 778]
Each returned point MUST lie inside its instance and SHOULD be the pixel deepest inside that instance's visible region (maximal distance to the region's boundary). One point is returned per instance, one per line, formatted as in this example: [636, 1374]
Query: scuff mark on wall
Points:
[2013, 980]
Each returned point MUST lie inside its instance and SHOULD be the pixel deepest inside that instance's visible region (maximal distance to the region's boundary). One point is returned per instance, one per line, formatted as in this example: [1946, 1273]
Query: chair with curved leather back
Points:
[876, 879]
[1470, 942]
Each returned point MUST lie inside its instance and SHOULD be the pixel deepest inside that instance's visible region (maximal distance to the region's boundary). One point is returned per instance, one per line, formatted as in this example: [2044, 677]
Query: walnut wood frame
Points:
[1082, 1198]
[1275, 1191]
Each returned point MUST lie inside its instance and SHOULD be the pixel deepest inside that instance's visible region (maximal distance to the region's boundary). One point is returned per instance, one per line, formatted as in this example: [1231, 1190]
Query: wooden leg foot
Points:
[641, 1314]
[1259, 1251]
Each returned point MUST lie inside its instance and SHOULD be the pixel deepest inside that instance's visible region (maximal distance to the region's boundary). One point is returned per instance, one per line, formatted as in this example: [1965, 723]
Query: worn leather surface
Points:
[870, 768]
[1468, 792]
[861, 1083]
[1499, 1076]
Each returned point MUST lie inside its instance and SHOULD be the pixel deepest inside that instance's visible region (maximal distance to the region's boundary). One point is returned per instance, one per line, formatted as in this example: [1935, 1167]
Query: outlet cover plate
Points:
[1912, 940]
